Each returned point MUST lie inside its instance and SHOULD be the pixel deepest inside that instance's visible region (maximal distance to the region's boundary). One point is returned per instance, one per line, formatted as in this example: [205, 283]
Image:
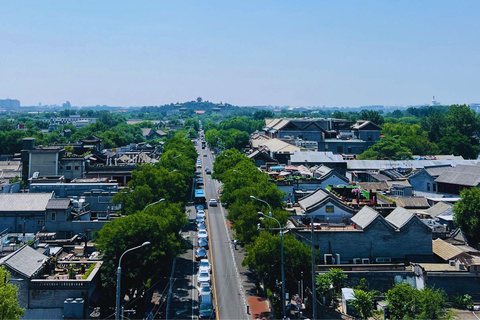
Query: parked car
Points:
[204, 288]
[202, 234]
[201, 213]
[208, 171]
[203, 277]
[199, 219]
[205, 265]
[206, 309]
[200, 253]
[200, 207]
[212, 203]
[204, 154]
[202, 226]
[202, 243]
[199, 181]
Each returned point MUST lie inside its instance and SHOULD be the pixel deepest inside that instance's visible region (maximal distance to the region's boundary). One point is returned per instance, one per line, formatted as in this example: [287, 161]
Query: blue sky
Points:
[297, 53]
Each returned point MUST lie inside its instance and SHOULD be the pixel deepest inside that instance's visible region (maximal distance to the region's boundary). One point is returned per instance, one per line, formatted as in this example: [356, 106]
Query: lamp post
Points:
[269, 207]
[119, 278]
[281, 252]
[151, 204]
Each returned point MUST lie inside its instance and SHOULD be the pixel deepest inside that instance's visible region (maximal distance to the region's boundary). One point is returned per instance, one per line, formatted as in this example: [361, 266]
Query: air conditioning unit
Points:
[451, 263]
[357, 261]
[383, 260]
[365, 261]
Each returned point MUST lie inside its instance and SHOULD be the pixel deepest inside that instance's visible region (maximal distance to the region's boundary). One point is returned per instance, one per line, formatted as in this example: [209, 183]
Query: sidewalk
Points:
[259, 306]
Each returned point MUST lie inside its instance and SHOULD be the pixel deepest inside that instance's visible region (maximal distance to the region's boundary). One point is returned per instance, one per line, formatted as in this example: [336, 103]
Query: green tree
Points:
[363, 303]
[330, 283]
[387, 148]
[9, 306]
[467, 213]
[263, 255]
[401, 301]
[160, 225]
[431, 304]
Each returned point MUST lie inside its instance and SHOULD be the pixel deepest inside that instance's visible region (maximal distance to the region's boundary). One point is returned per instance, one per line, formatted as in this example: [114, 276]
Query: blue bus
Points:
[200, 196]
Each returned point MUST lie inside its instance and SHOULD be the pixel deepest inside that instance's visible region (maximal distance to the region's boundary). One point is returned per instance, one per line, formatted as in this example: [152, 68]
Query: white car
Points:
[205, 266]
[204, 288]
[202, 234]
[203, 277]
[201, 213]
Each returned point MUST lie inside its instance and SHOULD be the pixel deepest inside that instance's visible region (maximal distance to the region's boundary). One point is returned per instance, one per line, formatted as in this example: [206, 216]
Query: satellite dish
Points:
[35, 175]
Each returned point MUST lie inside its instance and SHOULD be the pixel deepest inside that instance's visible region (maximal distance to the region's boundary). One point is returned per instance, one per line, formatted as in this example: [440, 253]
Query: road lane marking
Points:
[213, 266]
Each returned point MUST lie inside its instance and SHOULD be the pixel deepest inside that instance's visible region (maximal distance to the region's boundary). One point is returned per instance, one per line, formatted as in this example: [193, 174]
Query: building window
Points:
[349, 149]
[77, 167]
[329, 209]
[434, 187]
[69, 168]
[370, 137]
[326, 146]
[40, 222]
[339, 149]
[428, 186]
[54, 216]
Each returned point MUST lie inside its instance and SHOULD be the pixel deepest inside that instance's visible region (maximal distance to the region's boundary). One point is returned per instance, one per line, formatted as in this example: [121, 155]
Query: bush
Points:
[463, 302]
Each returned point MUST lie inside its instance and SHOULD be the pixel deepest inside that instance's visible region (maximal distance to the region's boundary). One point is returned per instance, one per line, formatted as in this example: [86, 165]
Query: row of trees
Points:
[158, 223]
[241, 180]
[447, 131]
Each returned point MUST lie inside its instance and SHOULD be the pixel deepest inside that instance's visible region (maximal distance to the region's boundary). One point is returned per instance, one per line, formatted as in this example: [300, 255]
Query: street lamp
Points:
[119, 278]
[269, 207]
[281, 252]
[151, 204]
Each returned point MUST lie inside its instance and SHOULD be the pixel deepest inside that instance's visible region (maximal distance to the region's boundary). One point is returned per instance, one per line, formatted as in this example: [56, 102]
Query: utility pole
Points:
[314, 290]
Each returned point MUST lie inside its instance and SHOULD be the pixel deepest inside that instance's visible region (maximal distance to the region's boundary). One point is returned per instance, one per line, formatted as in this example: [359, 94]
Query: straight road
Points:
[184, 294]
[229, 295]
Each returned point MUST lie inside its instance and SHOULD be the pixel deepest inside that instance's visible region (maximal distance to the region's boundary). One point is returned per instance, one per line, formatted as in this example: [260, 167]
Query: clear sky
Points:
[297, 53]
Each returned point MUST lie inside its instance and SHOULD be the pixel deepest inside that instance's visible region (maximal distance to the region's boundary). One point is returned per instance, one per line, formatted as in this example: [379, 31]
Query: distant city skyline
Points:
[249, 53]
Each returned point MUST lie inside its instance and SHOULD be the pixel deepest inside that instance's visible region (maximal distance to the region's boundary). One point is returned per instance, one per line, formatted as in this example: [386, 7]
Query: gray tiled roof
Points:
[399, 217]
[319, 198]
[459, 178]
[390, 164]
[437, 170]
[438, 208]
[315, 156]
[365, 216]
[58, 204]
[312, 199]
[20, 202]
[25, 261]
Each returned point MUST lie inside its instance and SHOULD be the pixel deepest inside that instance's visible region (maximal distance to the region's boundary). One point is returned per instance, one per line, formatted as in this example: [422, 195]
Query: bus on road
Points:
[200, 196]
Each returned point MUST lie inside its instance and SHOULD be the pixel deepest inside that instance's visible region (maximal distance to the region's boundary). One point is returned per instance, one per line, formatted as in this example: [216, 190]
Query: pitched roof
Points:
[315, 157]
[21, 202]
[435, 171]
[58, 204]
[374, 186]
[445, 250]
[363, 124]
[319, 198]
[365, 216]
[146, 131]
[438, 208]
[399, 217]
[275, 145]
[25, 261]
[411, 202]
[470, 179]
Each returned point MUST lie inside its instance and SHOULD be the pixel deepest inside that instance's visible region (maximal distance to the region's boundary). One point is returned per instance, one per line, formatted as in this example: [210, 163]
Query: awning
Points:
[277, 168]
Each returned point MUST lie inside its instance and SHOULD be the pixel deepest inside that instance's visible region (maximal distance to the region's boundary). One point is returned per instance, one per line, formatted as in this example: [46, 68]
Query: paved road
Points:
[184, 294]
[229, 296]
